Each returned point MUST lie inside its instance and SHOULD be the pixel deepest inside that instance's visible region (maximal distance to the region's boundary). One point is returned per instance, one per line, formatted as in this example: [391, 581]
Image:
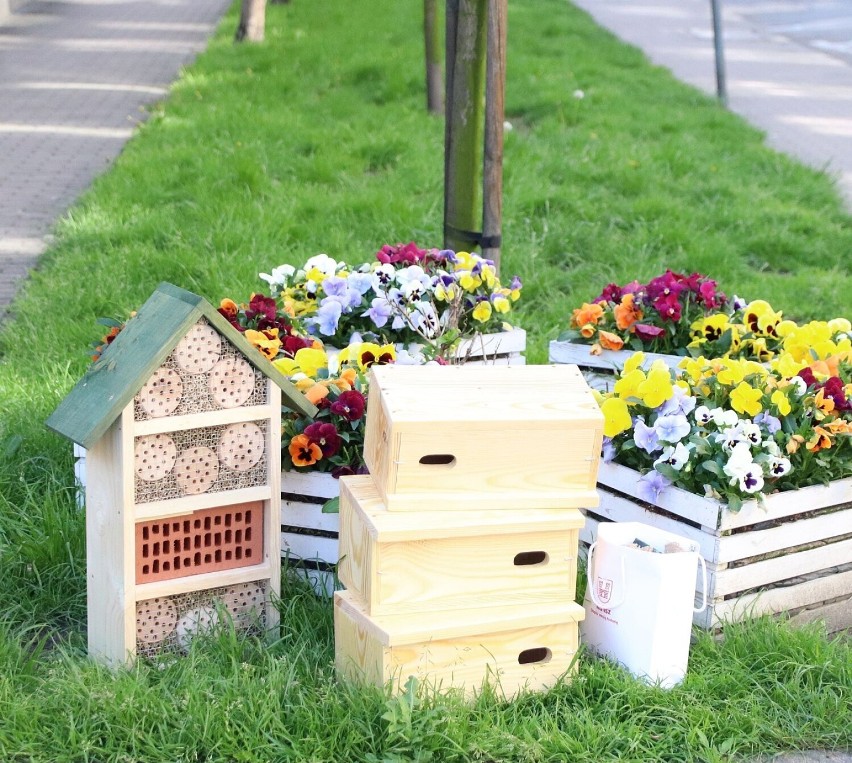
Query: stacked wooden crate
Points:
[459, 551]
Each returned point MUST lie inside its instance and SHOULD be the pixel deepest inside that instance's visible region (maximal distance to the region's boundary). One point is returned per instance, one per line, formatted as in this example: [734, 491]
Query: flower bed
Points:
[761, 559]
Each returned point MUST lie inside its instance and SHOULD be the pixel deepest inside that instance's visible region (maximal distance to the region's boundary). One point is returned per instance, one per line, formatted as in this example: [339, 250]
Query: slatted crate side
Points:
[780, 562]
[309, 538]
[504, 348]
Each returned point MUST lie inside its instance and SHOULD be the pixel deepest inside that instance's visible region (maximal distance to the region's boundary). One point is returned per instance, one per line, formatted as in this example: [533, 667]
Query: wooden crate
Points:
[794, 556]
[460, 438]
[401, 562]
[511, 647]
[599, 370]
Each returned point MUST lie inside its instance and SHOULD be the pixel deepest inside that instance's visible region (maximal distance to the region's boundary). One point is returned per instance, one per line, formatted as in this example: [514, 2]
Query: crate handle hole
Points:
[438, 459]
[536, 656]
[529, 558]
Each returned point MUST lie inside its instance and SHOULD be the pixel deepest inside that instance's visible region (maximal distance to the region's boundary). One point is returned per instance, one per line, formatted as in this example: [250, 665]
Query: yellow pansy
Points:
[787, 366]
[501, 301]
[657, 387]
[616, 416]
[781, 402]
[694, 368]
[733, 372]
[628, 385]
[840, 325]
[746, 399]
[634, 361]
[482, 311]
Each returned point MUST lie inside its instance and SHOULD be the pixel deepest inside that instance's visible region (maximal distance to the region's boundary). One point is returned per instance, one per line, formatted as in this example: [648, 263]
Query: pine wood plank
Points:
[203, 582]
[205, 419]
[111, 568]
[272, 512]
[308, 516]
[494, 345]
[175, 507]
[315, 484]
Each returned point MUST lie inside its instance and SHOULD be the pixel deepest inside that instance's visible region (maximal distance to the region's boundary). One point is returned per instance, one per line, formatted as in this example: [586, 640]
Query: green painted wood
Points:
[111, 383]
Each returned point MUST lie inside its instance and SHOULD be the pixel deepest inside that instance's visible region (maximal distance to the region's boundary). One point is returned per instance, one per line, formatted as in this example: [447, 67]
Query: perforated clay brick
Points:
[209, 540]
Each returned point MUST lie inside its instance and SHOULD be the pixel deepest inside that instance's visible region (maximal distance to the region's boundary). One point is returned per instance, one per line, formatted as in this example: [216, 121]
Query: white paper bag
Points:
[639, 604]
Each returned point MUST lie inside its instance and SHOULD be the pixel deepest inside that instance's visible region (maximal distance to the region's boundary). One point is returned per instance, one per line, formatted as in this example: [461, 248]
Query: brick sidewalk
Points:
[75, 77]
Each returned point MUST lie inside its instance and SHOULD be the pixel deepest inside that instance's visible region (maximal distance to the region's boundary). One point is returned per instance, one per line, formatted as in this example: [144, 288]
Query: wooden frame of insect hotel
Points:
[181, 418]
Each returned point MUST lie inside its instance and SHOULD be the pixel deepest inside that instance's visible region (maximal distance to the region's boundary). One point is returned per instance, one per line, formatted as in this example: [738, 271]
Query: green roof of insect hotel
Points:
[112, 382]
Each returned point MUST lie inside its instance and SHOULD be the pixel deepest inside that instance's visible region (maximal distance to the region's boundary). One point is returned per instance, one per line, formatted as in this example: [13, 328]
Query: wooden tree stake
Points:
[492, 180]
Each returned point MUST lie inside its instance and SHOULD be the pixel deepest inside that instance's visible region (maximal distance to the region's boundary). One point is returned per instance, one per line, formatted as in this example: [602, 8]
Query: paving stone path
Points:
[75, 77]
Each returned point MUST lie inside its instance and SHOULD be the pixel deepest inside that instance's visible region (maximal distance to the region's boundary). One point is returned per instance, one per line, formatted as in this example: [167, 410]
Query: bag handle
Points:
[703, 565]
[591, 581]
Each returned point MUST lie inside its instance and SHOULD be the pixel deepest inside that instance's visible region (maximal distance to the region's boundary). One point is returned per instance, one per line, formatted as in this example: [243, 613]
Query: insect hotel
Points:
[459, 551]
[181, 418]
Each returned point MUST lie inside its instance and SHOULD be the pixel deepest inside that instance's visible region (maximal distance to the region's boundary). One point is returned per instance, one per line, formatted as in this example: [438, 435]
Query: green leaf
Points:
[332, 506]
[668, 471]
[735, 503]
[110, 323]
[713, 467]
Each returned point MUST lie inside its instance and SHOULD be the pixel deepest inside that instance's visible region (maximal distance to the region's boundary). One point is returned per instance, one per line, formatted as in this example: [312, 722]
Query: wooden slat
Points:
[272, 507]
[312, 547]
[175, 507]
[781, 599]
[308, 515]
[205, 419]
[787, 535]
[608, 360]
[111, 563]
[220, 578]
[489, 345]
[837, 615]
[316, 484]
[395, 630]
[784, 567]
[789, 503]
[695, 508]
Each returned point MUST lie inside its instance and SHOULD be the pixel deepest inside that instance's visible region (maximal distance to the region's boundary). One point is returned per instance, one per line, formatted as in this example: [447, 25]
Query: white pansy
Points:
[322, 262]
[779, 466]
[675, 456]
[279, 276]
[800, 385]
[751, 431]
[740, 462]
[702, 415]
[723, 418]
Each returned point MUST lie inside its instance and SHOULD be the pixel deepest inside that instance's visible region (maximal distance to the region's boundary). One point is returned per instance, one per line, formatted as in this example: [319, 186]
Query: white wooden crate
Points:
[793, 556]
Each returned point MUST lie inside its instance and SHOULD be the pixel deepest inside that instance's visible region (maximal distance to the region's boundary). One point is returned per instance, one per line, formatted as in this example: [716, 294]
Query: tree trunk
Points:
[463, 136]
[252, 21]
[492, 175]
[434, 96]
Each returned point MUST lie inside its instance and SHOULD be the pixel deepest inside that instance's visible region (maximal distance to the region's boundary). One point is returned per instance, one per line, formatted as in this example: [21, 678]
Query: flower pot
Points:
[794, 555]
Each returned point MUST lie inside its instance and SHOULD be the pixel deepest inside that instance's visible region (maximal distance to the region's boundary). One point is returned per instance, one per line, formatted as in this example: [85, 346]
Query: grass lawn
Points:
[318, 140]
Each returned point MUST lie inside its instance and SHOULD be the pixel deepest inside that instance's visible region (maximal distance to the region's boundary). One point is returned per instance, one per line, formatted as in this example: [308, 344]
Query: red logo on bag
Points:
[604, 590]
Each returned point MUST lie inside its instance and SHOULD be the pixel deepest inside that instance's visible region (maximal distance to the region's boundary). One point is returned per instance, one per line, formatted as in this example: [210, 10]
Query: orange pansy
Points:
[610, 341]
[303, 451]
[626, 313]
[820, 441]
[589, 313]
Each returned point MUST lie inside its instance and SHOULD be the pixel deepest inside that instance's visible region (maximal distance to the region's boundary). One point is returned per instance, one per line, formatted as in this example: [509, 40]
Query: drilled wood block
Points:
[449, 438]
[513, 648]
[413, 562]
